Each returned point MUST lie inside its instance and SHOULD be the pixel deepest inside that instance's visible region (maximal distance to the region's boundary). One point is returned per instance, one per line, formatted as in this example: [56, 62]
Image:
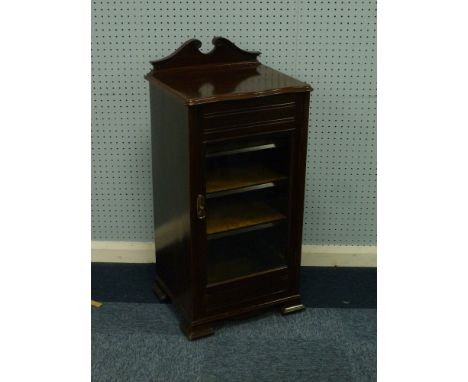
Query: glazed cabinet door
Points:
[248, 205]
[246, 212]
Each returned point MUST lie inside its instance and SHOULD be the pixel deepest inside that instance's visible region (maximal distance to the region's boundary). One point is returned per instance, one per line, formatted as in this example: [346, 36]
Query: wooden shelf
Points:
[239, 176]
[246, 255]
[239, 148]
[230, 215]
[243, 263]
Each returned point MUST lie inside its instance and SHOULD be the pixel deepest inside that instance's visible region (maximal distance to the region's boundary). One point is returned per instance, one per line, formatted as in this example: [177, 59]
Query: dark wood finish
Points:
[188, 56]
[194, 332]
[170, 143]
[159, 292]
[220, 296]
[241, 175]
[225, 73]
[248, 112]
[228, 107]
[233, 215]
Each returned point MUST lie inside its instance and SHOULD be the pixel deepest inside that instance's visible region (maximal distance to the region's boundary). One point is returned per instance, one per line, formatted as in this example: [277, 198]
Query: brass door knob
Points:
[201, 214]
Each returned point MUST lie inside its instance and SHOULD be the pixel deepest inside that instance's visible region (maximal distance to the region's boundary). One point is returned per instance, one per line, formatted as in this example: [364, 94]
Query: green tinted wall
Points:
[329, 44]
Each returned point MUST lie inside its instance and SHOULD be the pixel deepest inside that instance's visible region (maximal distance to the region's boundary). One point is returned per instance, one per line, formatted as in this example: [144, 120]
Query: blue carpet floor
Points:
[135, 338]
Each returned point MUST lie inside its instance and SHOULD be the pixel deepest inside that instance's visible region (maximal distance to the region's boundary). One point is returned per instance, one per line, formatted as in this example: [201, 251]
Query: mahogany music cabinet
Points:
[229, 144]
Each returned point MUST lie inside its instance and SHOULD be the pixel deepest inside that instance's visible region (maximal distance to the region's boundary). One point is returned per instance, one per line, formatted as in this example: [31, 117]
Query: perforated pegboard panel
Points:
[329, 44]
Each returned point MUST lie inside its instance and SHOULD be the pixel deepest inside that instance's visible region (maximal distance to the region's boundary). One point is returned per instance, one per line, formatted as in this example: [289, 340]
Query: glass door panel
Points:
[246, 207]
[234, 256]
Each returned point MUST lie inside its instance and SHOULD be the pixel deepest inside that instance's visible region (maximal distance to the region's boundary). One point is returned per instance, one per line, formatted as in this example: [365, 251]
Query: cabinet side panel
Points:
[170, 159]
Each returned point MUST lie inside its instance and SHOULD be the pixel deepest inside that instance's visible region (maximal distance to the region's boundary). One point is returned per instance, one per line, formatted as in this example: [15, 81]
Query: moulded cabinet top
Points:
[225, 73]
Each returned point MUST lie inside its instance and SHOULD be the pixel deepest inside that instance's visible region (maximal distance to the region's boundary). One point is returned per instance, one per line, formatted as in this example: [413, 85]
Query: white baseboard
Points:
[312, 255]
[122, 252]
[339, 256]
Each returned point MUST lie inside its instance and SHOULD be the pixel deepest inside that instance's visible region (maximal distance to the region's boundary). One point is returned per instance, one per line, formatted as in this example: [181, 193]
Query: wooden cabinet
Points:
[229, 143]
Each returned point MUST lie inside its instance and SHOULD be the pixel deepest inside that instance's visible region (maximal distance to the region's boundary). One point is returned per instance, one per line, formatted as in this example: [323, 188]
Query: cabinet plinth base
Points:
[292, 308]
[159, 292]
[195, 332]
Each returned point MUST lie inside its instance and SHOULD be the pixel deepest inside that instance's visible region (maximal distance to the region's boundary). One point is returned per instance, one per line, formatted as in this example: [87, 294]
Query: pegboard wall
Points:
[329, 44]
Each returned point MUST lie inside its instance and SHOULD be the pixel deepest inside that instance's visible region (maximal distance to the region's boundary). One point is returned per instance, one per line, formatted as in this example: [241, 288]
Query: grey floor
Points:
[142, 342]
